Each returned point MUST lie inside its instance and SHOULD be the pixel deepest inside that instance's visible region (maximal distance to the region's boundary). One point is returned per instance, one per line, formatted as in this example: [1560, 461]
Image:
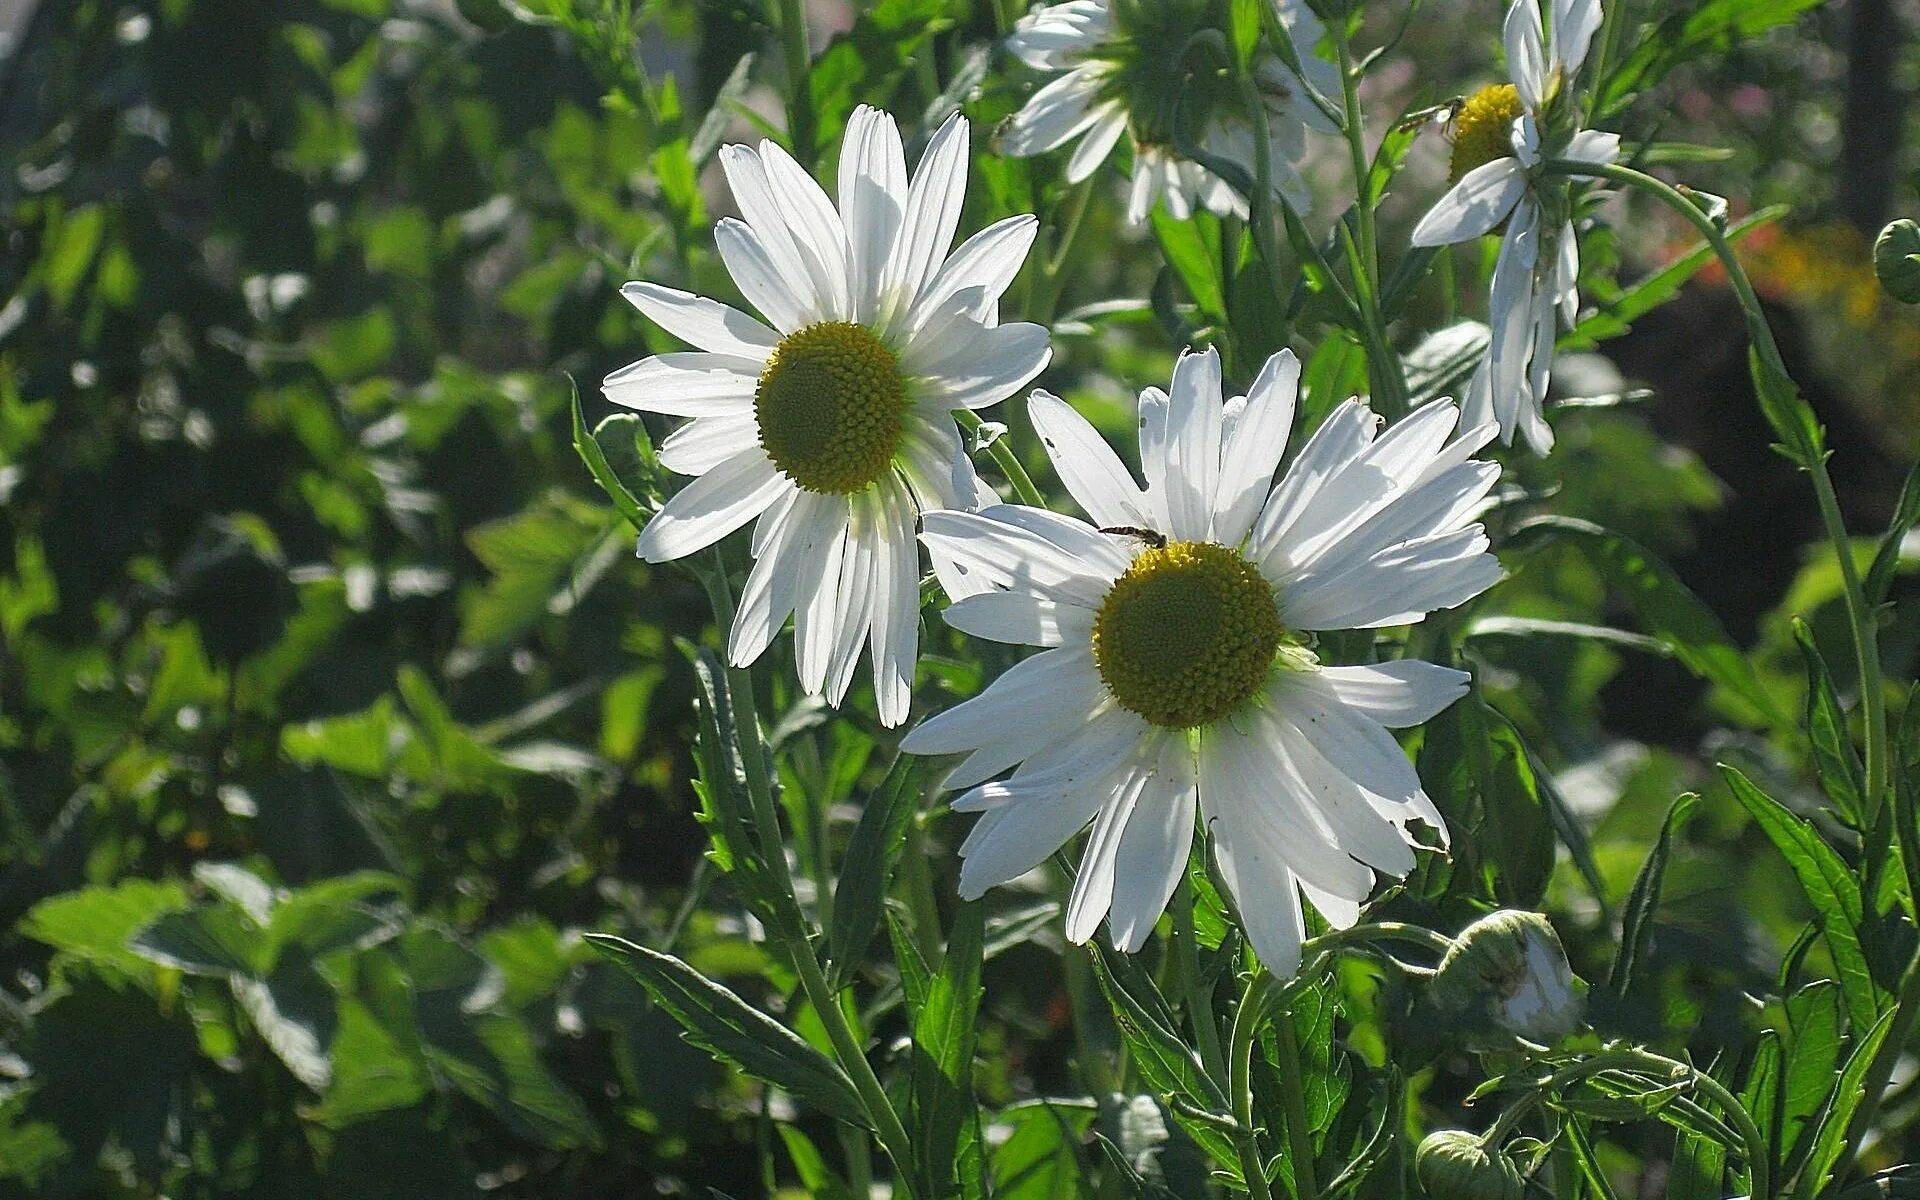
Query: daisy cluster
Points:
[1181, 681]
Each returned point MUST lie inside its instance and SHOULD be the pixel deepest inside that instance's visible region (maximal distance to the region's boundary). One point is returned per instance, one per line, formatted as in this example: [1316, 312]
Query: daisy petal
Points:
[1153, 848]
[873, 190]
[1253, 448]
[1593, 146]
[985, 264]
[1093, 474]
[1480, 201]
[997, 362]
[701, 322]
[764, 285]
[1526, 53]
[1193, 444]
[1398, 694]
[712, 506]
[705, 442]
[1055, 114]
[1110, 121]
[816, 229]
[932, 214]
[686, 385]
[1019, 619]
[1574, 24]
[753, 192]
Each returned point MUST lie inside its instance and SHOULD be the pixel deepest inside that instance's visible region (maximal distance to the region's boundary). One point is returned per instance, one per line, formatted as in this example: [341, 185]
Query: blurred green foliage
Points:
[334, 707]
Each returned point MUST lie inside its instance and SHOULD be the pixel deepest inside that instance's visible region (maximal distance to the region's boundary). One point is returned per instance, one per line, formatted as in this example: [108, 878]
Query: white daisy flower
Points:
[1502, 136]
[1175, 675]
[1119, 76]
[832, 422]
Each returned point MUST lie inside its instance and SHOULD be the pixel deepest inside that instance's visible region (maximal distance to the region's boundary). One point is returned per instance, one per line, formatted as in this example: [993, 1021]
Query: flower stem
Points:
[1860, 618]
[1386, 380]
[793, 36]
[1759, 1166]
[1052, 278]
[1199, 999]
[1299, 1136]
[1005, 459]
[796, 941]
[1246, 1030]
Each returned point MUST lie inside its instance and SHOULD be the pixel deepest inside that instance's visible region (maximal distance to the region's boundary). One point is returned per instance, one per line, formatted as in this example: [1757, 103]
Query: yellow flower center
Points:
[1187, 634]
[830, 405]
[1483, 128]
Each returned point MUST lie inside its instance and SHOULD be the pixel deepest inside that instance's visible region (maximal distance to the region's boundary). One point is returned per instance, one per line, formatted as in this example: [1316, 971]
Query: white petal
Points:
[873, 192]
[1103, 553]
[1574, 24]
[765, 213]
[817, 601]
[895, 638]
[1019, 619]
[686, 385]
[1510, 314]
[1398, 694]
[1110, 121]
[1039, 711]
[701, 322]
[1347, 431]
[1253, 448]
[987, 367]
[971, 552]
[1153, 423]
[1526, 53]
[983, 265]
[1396, 587]
[705, 442]
[1480, 201]
[1094, 878]
[853, 616]
[1055, 114]
[1339, 801]
[816, 228]
[932, 214]
[1193, 444]
[764, 285]
[712, 506]
[1093, 474]
[1593, 146]
[1248, 852]
[1152, 854]
[766, 600]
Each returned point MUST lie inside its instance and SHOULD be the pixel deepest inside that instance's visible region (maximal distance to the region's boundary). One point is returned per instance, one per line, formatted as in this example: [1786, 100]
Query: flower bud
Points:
[1455, 1165]
[1508, 971]
[1896, 260]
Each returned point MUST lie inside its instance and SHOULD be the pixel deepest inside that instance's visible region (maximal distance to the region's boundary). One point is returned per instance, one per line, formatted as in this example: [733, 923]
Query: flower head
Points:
[830, 424]
[1121, 71]
[1177, 674]
[1503, 136]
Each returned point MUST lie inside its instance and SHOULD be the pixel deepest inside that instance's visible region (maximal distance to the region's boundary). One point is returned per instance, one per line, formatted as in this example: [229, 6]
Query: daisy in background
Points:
[1176, 676]
[1502, 136]
[831, 423]
[1119, 75]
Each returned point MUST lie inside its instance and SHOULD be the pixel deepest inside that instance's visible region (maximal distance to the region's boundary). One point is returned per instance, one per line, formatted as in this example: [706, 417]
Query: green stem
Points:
[799, 950]
[1866, 649]
[793, 37]
[1906, 1009]
[1004, 458]
[1293, 1090]
[1246, 1030]
[1386, 380]
[1199, 995]
[1759, 1163]
[1052, 270]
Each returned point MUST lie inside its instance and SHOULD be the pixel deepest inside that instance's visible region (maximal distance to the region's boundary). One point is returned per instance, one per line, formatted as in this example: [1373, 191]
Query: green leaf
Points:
[293, 1009]
[815, 1176]
[867, 870]
[1614, 319]
[717, 1020]
[372, 1071]
[594, 455]
[1830, 1141]
[1192, 251]
[1833, 754]
[1886, 559]
[333, 916]
[97, 922]
[1816, 1034]
[1163, 1058]
[532, 557]
[1670, 612]
[1039, 1158]
[946, 1137]
[1644, 900]
[1830, 887]
[1761, 1093]
[213, 939]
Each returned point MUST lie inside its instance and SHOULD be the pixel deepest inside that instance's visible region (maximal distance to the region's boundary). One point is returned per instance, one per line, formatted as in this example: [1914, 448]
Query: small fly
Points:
[1157, 540]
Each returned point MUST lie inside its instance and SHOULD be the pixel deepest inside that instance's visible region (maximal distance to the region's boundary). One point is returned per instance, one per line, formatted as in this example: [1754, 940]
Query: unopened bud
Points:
[1508, 971]
[1456, 1165]
[1896, 260]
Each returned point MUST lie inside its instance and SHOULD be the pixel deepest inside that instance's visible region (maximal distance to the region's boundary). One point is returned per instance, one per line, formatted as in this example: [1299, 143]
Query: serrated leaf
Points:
[293, 1010]
[594, 455]
[867, 870]
[1643, 901]
[717, 1020]
[1886, 559]
[1163, 1058]
[945, 1134]
[1833, 753]
[1815, 1037]
[213, 939]
[1829, 886]
[1830, 1140]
